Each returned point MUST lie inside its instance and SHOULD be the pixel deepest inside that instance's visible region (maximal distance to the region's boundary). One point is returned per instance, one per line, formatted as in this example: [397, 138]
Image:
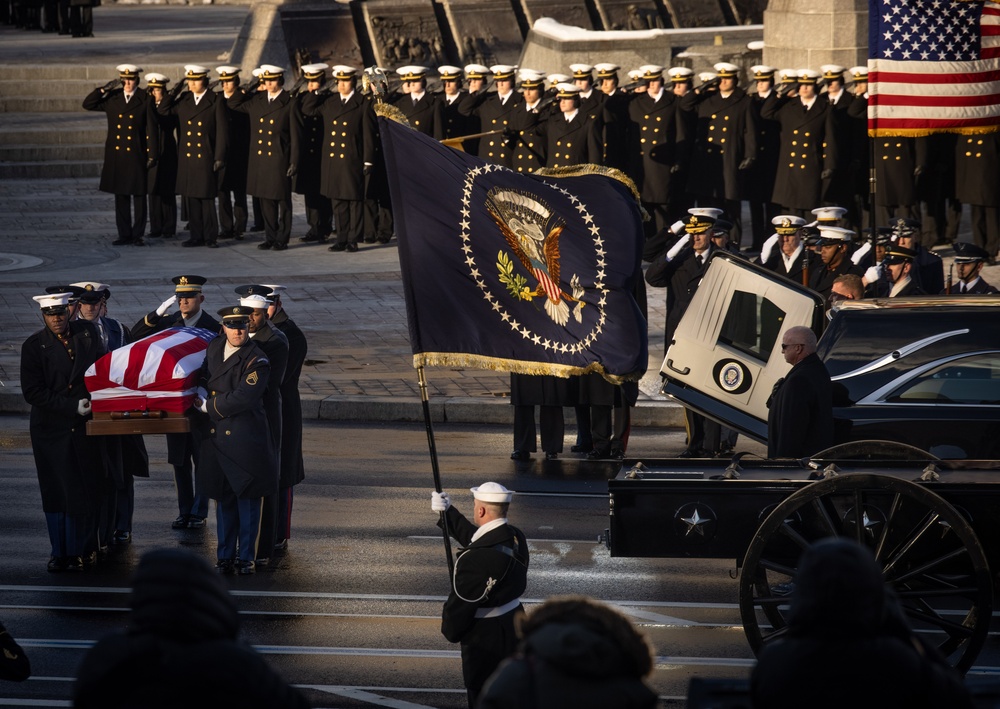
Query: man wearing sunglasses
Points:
[800, 409]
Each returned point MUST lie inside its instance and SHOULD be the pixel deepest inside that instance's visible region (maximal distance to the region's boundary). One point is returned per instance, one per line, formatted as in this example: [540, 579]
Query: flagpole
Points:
[432, 449]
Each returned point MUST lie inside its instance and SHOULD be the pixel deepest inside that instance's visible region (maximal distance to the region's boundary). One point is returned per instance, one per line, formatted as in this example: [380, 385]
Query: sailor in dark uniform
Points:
[275, 346]
[455, 124]
[899, 265]
[292, 466]
[969, 262]
[573, 137]
[233, 192]
[760, 177]
[309, 161]
[495, 111]
[490, 575]
[928, 268]
[201, 151]
[239, 463]
[125, 456]
[834, 245]
[422, 109]
[161, 179]
[654, 133]
[272, 146]
[591, 101]
[182, 448]
[126, 151]
[530, 149]
[70, 474]
[784, 253]
[615, 117]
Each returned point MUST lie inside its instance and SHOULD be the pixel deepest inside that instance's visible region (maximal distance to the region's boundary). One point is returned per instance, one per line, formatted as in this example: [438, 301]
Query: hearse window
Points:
[971, 380]
[751, 325]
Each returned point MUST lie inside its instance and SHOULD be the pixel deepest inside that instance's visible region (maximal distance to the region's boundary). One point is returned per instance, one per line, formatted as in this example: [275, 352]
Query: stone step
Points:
[49, 170]
[41, 104]
[27, 152]
[53, 87]
[78, 128]
[92, 74]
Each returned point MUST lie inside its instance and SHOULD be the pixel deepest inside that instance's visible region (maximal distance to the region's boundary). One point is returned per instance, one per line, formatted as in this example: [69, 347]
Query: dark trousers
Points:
[204, 225]
[233, 212]
[350, 220]
[550, 419]
[130, 216]
[704, 434]
[258, 220]
[81, 20]
[116, 509]
[761, 214]
[319, 215]
[268, 526]
[277, 214]
[378, 221]
[162, 215]
[283, 527]
[238, 525]
[70, 534]
[986, 228]
[940, 220]
[484, 647]
[189, 503]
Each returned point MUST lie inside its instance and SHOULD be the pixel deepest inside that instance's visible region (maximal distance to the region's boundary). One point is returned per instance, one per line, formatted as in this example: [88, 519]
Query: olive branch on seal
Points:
[516, 284]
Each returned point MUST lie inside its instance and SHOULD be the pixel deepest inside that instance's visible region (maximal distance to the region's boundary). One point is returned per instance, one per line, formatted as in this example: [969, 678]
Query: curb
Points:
[459, 409]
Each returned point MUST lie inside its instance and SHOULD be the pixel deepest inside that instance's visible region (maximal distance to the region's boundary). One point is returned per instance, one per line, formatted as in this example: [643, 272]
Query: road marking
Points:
[368, 697]
[582, 542]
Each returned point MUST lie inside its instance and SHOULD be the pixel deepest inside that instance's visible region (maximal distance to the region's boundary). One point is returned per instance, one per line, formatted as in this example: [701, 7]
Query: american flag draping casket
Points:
[157, 373]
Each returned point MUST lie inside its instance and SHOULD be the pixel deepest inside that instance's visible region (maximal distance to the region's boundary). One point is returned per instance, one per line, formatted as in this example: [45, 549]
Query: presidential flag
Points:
[159, 372]
[933, 67]
[515, 272]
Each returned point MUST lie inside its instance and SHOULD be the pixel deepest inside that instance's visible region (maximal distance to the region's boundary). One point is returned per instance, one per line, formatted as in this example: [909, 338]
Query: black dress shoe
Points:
[246, 567]
[598, 454]
[138, 242]
[121, 537]
[520, 455]
[74, 563]
[617, 454]
[580, 448]
[191, 242]
[89, 560]
[57, 564]
[551, 456]
[266, 246]
[311, 237]
[195, 522]
[281, 545]
[279, 247]
[180, 523]
[225, 566]
[212, 244]
[238, 236]
[225, 235]
[383, 239]
[352, 248]
[121, 242]
[369, 239]
[338, 247]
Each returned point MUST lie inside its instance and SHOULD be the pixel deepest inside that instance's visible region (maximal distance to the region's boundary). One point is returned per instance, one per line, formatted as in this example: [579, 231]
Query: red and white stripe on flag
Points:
[158, 372]
[933, 67]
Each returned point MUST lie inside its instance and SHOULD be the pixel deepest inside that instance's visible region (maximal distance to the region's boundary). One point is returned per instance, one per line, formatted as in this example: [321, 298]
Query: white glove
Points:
[860, 252]
[165, 305]
[873, 274]
[676, 248]
[83, 407]
[202, 393]
[768, 247]
[677, 228]
[201, 405]
[440, 502]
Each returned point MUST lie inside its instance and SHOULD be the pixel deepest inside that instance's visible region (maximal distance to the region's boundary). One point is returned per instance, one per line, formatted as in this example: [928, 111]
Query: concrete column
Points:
[803, 34]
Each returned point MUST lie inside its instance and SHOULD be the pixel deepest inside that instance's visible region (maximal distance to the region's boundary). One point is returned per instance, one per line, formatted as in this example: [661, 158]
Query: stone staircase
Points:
[44, 131]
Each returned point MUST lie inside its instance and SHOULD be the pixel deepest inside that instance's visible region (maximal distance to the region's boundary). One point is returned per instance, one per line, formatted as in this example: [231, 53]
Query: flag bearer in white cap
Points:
[490, 575]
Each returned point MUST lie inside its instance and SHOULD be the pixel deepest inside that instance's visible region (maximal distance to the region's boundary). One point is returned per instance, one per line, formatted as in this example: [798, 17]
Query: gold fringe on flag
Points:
[387, 110]
[924, 132]
[497, 364]
[588, 169]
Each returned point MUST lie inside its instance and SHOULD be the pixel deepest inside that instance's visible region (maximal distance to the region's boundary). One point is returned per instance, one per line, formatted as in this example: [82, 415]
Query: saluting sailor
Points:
[490, 575]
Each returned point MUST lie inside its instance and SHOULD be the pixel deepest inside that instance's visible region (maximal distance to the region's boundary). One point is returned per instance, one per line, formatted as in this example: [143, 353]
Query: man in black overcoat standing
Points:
[70, 474]
[800, 415]
[182, 448]
[126, 151]
[490, 575]
[239, 460]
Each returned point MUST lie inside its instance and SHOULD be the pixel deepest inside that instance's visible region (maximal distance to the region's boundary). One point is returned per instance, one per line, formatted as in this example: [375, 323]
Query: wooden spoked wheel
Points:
[929, 554]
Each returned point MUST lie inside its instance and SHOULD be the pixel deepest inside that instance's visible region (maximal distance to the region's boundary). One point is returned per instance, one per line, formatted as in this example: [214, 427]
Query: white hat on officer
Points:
[156, 81]
[678, 74]
[788, 76]
[808, 76]
[61, 300]
[412, 72]
[256, 302]
[834, 234]
[476, 71]
[858, 73]
[606, 70]
[829, 214]
[725, 70]
[787, 224]
[832, 72]
[762, 72]
[314, 72]
[226, 73]
[448, 72]
[530, 79]
[582, 71]
[651, 71]
[492, 492]
[195, 71]
[271, 72]
[755, 46]
[567, 90]
[342, 72]
[128, 71]
[503, 72]
[706, 76]
[558, 78]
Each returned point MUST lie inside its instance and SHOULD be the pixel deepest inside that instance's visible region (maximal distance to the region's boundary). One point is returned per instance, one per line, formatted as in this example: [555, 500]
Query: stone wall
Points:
[808, 33]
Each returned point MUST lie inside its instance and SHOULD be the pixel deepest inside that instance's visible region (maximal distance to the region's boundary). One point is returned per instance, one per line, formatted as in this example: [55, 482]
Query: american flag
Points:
[158, 372]
[933, 67]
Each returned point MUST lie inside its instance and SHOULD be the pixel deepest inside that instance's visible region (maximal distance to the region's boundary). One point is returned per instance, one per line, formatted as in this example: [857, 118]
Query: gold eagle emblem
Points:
[532, 230]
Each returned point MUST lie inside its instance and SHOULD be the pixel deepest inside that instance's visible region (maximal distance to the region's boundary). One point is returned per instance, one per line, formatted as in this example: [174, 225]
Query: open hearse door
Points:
[725, 357]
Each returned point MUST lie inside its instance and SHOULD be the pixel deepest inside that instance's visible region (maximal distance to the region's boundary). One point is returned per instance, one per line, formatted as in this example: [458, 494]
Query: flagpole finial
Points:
[375, 83]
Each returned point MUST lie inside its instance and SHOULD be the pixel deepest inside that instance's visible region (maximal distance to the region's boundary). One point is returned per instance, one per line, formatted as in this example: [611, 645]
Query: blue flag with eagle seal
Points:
[515, 272]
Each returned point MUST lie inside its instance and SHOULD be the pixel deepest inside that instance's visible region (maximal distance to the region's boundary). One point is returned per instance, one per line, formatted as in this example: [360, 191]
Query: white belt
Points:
[498, 611]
